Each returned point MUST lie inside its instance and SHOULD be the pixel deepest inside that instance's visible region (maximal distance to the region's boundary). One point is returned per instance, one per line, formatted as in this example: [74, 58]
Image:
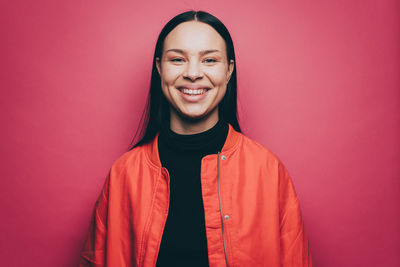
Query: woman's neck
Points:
[181, 125]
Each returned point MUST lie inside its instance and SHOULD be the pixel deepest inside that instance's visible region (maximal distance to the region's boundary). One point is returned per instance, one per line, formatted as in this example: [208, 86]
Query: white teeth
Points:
[193, 91]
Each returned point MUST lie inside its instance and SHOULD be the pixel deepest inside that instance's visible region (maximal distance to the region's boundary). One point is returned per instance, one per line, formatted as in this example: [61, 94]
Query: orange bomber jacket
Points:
[252, 213]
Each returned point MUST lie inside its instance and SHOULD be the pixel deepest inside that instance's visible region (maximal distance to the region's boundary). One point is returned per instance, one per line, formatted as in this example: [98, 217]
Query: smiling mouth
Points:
[192, 92]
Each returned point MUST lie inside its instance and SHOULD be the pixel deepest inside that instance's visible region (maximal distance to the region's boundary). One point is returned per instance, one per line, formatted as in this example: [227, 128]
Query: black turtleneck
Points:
[184, 241]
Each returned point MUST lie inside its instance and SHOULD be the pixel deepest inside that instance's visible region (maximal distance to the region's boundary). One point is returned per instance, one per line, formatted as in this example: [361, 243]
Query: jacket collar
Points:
[230, 143]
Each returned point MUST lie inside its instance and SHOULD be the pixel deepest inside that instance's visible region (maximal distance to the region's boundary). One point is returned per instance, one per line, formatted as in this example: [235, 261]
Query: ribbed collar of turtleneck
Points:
[208, 142]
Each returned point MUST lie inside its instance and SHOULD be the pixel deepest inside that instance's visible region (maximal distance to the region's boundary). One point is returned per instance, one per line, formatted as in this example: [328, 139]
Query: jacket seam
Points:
[147, 227]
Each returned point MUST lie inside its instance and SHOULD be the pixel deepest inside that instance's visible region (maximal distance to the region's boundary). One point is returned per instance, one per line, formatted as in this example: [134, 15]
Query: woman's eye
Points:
[177, 60]
[210, 60]
[180, 60]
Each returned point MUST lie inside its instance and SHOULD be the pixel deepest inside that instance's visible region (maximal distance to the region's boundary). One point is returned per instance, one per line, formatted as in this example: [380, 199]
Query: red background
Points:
[318, 84]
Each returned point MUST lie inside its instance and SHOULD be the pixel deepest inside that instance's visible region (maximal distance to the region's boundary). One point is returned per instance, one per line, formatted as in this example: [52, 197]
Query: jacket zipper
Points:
[220, 210]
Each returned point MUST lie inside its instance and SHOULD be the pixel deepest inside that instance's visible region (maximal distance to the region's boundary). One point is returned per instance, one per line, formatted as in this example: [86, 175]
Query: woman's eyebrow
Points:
[202, 52]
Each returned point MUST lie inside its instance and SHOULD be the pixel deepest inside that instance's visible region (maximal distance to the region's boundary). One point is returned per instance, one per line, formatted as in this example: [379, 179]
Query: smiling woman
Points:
[194, 191]
[194, 72]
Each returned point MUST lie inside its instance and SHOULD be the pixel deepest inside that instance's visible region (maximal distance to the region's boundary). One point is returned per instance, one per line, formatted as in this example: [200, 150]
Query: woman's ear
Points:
[158, 65]
[231, 66]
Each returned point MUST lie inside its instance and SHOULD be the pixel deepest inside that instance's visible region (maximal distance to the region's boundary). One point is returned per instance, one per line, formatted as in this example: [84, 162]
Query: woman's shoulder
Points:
[253, 147]
[262, 156]
[132, 157]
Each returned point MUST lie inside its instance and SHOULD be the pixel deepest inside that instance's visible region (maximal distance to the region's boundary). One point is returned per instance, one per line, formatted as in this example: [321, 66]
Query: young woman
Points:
[194, 191]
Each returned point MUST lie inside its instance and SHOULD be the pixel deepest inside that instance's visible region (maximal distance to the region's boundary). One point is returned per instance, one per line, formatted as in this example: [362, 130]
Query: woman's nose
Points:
[193, 70]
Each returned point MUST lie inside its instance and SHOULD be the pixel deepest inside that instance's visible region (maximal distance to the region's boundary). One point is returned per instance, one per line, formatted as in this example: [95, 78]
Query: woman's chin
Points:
[196, 116]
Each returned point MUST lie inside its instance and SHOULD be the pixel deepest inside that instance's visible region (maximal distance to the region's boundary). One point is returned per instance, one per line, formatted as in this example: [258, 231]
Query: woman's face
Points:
[194, 72]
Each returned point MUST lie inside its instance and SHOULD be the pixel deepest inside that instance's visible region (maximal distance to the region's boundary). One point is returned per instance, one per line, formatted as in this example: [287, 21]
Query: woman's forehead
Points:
[194, 36]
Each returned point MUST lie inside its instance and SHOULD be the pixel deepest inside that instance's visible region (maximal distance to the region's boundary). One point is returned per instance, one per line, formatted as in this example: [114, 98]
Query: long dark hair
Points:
[157, 108]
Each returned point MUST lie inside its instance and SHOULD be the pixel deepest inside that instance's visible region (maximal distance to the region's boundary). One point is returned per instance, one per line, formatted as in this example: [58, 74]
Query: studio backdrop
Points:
[318, 85]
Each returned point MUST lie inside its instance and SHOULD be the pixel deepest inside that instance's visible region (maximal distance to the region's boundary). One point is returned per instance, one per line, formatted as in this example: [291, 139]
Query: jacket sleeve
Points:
[94, 251]
[295, 250]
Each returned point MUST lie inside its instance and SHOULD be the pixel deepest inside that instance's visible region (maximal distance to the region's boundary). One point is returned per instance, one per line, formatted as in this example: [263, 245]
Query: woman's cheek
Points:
[218, 75]
[172, 74]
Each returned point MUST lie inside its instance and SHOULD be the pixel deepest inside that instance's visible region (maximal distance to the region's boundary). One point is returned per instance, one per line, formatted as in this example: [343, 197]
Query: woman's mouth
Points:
[193, 94]
[193, 91]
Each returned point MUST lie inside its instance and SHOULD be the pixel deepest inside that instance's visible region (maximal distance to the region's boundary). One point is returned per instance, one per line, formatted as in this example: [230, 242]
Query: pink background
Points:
[318, 84]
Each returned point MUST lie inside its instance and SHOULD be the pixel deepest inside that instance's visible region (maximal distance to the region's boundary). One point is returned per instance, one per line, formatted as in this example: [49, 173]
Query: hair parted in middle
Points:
[157, 107]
